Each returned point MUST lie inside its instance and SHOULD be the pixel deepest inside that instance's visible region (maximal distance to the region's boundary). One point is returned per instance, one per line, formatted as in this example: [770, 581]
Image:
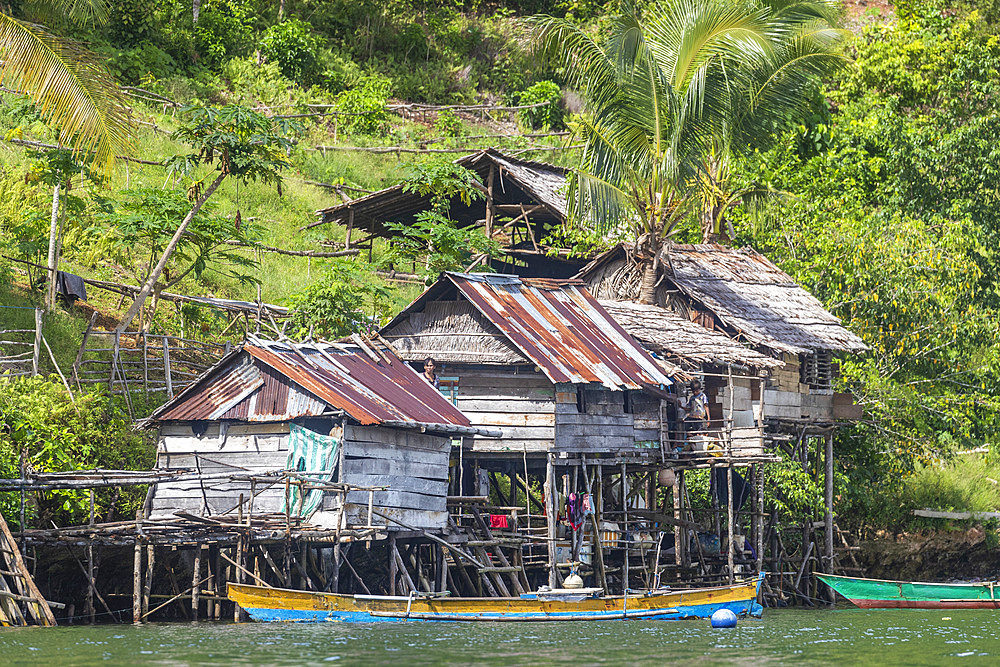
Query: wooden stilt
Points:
[550, 518]
[828, 517]
[393, 571]
[148, 583]
[624, 491]
[730, 514]
[137, 582]
[196, 584]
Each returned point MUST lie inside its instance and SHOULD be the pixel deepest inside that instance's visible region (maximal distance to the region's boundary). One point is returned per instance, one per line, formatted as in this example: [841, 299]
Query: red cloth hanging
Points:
[499, 521]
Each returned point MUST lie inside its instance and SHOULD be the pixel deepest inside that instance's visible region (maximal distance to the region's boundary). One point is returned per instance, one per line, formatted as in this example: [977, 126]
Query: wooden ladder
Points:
[16, 585]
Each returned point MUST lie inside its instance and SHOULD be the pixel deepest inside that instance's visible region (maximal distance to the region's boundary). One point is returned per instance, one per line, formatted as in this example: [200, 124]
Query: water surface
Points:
[885, 637]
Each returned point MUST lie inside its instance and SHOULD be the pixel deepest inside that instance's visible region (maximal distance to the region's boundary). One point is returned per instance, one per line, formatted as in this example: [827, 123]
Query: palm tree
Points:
[72, 91]
[673, 95]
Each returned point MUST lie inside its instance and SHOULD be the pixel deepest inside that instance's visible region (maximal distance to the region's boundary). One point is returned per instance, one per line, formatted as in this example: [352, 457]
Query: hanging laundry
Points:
[499, 521]
[574, 511]
[588, 503]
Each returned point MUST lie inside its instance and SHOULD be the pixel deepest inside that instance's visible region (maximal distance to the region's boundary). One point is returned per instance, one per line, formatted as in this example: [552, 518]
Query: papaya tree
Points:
[231, 141]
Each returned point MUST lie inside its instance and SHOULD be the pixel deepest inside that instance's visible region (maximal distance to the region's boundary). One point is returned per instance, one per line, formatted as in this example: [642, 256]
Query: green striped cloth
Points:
[314, 455]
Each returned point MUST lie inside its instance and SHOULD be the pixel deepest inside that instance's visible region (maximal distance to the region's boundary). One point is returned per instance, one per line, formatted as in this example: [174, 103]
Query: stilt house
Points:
[538, 359]
[523, 201]
[742, 294]
[332, 414]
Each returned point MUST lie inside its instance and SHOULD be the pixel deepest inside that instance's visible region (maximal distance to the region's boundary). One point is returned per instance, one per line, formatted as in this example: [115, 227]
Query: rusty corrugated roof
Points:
[280, 381]
[559, 326]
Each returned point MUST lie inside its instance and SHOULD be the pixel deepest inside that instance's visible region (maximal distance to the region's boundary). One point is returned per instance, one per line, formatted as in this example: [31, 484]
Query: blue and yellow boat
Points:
[278, 604]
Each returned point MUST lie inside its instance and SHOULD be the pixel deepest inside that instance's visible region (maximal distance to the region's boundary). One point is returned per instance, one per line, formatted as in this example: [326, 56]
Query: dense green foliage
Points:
[55, 433]
[892, 221]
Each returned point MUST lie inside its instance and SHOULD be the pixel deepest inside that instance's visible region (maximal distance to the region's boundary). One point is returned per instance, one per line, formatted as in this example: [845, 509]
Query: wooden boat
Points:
[277, 604]
[884, 594]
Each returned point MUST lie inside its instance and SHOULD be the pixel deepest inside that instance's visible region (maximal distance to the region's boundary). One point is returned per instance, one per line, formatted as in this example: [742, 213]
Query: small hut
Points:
[523, 201]
[353, 426]
[741, 293]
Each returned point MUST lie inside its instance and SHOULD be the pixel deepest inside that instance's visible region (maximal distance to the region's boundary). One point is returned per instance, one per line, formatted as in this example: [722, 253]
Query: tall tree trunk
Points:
[281, 10]
[650, 272]
[195, 10]
[154, 275]
[50, 292]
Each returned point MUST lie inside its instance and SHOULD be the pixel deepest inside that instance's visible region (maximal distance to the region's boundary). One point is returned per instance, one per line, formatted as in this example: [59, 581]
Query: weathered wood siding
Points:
[604, 425]
[242, 448]
[517, 400]
[414, 467]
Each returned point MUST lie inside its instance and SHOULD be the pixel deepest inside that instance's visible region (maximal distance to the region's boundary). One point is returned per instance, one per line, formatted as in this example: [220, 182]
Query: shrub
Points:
[366, 104]
[144, 59]
[223, 30]
[38, 417]
[447, 123]
[547, 117]
[293, 47]
[343, 301]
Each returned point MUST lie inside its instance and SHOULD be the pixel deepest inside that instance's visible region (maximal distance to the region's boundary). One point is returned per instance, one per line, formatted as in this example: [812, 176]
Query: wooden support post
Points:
[335, 574]
[169, 381]
[393, 567]
[550, 518]
[350, 228]
[828, 565]
[196, 584]
[490, 205]
[83, 348]
[137, 582]
[148, 583]
[680, 533]
[624, 492]
[730, 517]
[759, 479]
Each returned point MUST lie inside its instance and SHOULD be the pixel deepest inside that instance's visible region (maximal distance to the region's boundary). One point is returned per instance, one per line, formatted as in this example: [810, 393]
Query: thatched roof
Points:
[688, 343]
[750, 296]
[521, 182]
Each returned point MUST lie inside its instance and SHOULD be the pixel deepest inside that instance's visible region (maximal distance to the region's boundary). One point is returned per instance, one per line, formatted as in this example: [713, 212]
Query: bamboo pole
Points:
[550, 518]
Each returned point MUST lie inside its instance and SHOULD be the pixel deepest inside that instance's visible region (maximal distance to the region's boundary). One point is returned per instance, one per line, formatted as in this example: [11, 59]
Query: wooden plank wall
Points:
[244, 448]
[518, 401]
[604, 426]
[786, 397]
[413, 465]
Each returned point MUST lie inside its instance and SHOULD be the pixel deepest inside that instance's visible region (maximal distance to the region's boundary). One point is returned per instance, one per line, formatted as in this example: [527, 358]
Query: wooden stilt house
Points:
[538, 359]
[354, 426]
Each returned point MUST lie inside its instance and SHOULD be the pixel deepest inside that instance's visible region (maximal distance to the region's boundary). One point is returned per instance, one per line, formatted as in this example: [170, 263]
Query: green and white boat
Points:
[885, 594]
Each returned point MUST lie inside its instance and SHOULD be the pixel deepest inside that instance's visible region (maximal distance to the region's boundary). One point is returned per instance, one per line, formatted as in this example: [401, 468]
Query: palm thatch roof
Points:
[750, 297]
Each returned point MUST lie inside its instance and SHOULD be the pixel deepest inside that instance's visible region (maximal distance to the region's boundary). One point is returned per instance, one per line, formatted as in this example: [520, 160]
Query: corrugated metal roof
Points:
[279, 381]
[557, 325]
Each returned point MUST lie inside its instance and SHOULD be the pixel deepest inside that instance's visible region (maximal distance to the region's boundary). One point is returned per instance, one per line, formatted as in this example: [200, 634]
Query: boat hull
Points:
[282, 605]
[887, 594]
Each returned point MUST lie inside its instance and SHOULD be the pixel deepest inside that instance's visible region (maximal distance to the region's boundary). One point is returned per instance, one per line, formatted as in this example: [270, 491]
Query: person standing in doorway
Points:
[430, 373]
[696, 409]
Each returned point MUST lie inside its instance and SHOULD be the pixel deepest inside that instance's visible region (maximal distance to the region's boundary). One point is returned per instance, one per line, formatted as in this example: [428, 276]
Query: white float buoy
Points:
[723, 618]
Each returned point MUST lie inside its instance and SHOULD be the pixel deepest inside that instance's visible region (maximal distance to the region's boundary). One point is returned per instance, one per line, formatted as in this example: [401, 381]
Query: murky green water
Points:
[782, 637]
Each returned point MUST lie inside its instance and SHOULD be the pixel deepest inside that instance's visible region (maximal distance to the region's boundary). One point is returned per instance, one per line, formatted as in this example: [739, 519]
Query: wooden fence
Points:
[135, 361]
[20, 349]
